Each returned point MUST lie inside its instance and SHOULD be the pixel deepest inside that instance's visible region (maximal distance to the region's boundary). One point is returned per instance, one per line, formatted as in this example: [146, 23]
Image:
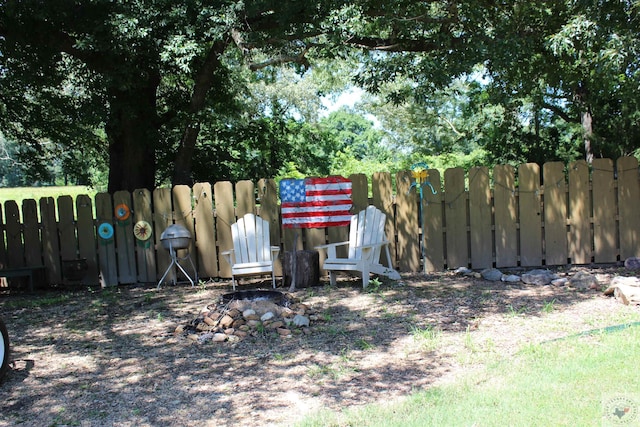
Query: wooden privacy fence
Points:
[506, 217]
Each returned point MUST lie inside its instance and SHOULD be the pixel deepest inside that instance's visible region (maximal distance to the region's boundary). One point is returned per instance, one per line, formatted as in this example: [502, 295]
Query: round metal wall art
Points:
[122, 212]
[142, 230]
[105, 230]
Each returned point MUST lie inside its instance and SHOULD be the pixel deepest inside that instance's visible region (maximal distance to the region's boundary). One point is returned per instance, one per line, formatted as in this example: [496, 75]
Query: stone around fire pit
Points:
[249, 313]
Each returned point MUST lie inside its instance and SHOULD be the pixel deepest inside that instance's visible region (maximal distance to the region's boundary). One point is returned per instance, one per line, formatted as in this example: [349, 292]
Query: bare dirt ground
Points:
[111, 358]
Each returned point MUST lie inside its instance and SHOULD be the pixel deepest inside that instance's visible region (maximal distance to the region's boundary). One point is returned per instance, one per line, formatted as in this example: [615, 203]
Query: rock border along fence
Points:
[506, 217]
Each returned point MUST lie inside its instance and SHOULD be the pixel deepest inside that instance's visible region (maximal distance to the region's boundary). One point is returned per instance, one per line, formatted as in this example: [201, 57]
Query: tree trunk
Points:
[586, 119]
[204, 80]
[587, 130]
[133, 137]
[184, 156]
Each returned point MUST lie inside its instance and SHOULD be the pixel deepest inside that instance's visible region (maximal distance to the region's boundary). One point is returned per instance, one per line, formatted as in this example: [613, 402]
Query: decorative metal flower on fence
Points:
[122, 212]
[142, 231]
[105, 231]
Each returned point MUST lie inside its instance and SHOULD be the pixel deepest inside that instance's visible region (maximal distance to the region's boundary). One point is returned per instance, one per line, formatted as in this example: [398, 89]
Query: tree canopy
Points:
[189, 90]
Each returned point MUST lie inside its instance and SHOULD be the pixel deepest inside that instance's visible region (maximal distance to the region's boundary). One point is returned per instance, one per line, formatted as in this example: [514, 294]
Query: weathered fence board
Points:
[455, 216]
[604, 211]
[31, 234]
[15, 244]
[245, 198]
[530, 215]
[579, 213]
[359, 191]
[205, 231]
[145, 250]
[123, 228]
[223, 192]
[629, 202]
[382, 198]
[480, 218]
[3, 241]
[183, 215]
[67, 230]
[87, 243]
[407, 224]
[433, 225]
[50, 240]
[162, 218]
[555, 214]
[588, 213]
[106, 244]
[505, 207]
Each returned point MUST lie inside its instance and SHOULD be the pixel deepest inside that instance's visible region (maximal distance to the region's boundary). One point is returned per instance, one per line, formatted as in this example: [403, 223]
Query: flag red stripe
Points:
[315, 214]
[315, 203]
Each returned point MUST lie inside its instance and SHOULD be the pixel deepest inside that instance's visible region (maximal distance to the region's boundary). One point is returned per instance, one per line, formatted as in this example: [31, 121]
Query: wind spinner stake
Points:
[420, 172]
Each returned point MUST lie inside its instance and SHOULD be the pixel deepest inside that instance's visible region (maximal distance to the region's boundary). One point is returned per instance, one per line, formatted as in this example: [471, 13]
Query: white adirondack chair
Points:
[252, 252]
[366, 240]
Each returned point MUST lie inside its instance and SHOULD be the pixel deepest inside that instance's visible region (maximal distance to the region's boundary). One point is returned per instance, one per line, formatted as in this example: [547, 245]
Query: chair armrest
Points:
[229, 256]
[331, 248]
[275, 250]
[329, 245]
[372, 245]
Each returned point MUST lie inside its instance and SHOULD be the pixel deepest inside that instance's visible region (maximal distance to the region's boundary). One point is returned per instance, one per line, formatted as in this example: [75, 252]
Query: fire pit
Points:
[275, 297]
[250, 313]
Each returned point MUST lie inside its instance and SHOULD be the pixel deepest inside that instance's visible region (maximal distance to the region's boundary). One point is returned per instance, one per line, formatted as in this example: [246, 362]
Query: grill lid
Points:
[175, 231]
[175, 236]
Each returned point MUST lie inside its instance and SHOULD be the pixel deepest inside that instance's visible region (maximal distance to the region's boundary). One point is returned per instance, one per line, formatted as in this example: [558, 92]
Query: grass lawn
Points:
[20, 193]
[569, 382]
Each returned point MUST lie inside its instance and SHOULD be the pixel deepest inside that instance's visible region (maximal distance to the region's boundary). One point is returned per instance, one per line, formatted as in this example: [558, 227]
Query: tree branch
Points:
[282, 59]
[397, 45]
[560, 113]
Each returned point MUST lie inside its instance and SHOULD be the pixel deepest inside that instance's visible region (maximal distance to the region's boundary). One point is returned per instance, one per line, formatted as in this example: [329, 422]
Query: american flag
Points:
[315, 202]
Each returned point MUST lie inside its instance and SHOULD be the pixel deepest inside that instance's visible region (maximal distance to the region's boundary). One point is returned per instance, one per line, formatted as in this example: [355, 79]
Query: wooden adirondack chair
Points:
[366, 240]
[252, 252]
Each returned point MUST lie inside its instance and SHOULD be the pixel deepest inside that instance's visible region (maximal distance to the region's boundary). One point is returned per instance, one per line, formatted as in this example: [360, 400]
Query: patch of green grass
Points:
[549, 306]
[515, 312]
[39, 301]
[363, 344]
[469, 344]
[333, 371]
[374, 286]
[202, 286]
[148, 297]
[428, 338]
[563, 382]
[326, 316]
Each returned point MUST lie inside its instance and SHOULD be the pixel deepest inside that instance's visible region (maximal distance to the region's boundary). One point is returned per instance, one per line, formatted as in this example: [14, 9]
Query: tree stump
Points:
[307, 271]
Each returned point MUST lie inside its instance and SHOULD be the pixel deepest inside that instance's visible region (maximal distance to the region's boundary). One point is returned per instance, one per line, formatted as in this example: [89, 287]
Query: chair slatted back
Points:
[367, 227]
[251, 241]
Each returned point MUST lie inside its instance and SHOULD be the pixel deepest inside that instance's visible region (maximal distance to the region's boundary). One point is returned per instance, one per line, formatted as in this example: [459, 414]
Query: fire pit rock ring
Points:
[250, 313]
